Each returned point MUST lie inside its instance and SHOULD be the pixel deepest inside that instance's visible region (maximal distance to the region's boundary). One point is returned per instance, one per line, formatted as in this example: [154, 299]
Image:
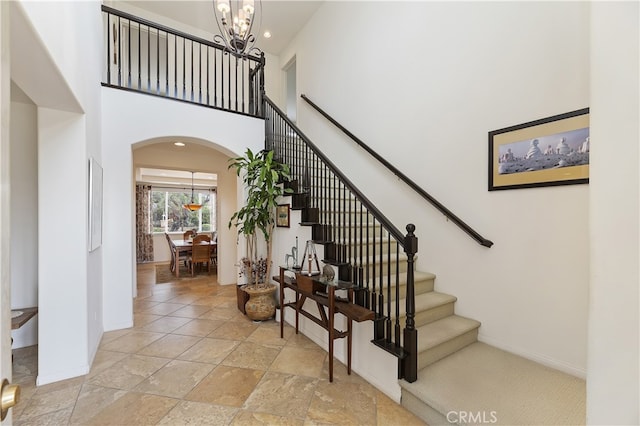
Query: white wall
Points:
[62, 250]
[128, 119]
[613, 382]
[56, 63]
[24, 215]
[426, 100]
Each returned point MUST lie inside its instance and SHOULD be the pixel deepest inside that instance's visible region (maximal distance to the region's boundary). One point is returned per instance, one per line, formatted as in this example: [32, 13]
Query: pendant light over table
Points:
[192, 206]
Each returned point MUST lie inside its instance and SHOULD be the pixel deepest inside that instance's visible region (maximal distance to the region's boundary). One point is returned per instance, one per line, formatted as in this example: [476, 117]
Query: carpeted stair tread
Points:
[483, 379]
[426, 301]
[441, 331]
[418, 277]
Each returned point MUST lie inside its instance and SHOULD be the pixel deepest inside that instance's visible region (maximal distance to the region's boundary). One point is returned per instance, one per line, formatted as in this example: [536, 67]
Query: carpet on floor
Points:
[164, 274]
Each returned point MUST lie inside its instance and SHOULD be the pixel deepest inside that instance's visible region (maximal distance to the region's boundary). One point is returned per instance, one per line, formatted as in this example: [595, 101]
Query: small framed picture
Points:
[547, 152]
[282, 215]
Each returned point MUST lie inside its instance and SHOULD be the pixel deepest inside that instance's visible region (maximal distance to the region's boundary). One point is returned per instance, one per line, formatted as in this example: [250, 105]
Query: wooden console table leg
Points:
[349, 329]
[299, 302]
[332, 309]
[282, 303]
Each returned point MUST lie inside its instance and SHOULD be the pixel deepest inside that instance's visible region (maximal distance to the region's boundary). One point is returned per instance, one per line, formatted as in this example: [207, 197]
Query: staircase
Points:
[440, 331]
[459, 380]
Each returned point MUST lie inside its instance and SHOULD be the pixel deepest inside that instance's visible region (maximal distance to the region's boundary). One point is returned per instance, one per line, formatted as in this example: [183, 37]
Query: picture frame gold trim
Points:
[560, 155]
[283, 213]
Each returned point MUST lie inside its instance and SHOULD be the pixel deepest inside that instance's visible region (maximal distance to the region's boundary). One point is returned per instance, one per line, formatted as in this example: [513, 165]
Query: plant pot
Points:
[261, 304]
[241, 297]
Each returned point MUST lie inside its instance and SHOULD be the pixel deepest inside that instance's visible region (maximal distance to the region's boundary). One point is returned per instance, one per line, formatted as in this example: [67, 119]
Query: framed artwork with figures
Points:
[547, 152]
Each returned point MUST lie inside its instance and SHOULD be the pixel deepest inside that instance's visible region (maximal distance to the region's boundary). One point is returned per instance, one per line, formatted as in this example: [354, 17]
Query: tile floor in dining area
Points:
[192, 358]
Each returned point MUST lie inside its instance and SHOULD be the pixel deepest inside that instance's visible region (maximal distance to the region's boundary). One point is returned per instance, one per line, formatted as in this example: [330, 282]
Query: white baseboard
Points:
[62, 375]
[118, 326]
[540, 359]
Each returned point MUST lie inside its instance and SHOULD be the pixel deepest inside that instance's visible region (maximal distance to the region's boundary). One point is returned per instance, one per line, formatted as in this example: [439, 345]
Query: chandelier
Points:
[235, 24]
[192, 206]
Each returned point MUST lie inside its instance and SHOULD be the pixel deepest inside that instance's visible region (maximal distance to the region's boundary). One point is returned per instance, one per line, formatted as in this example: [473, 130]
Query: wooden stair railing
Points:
[365, 247]
[424, 194]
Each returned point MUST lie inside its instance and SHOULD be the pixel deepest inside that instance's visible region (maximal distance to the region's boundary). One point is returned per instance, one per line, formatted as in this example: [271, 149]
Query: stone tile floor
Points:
[192, 358]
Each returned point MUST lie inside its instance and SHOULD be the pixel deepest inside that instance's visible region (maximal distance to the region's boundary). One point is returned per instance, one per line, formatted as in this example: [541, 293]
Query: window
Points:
[168, 215]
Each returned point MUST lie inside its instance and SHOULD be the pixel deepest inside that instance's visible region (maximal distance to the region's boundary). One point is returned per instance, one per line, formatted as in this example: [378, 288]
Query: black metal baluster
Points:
[345, 224]
[109, 36]
[359, 237]
[388, 287]
[184, 69]
[325, 196]
[235, 95]
[397, 326]
[157, 62]
[119, 54]
[374, 265]
[371, 302]
[243, 85]
[208, 98]
[229, 82]
[335, 235]
[139, 58]
[148, 59]
[191, 70]
[129, 54]
[351, 230]
[314, 188]
[199, 73]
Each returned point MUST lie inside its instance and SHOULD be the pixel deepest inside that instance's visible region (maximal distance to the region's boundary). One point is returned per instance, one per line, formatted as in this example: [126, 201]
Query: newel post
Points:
[410, 362]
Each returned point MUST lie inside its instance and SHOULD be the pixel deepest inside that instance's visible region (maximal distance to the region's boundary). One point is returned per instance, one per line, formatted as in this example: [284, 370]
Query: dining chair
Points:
[187, 234]
[172, 265]
[200, 253]
[183, 257]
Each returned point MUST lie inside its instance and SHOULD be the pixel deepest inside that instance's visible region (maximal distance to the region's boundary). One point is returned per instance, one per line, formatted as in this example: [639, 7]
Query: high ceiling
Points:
[283, 19]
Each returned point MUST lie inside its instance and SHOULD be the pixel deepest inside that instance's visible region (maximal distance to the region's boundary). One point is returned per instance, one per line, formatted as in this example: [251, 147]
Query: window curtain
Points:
[144, 238]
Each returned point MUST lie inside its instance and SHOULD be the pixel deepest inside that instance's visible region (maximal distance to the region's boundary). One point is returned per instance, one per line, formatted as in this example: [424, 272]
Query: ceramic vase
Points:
[261, 304]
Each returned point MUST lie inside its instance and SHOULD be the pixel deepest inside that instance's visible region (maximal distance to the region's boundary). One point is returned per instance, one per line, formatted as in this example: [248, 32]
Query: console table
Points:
[323, 293]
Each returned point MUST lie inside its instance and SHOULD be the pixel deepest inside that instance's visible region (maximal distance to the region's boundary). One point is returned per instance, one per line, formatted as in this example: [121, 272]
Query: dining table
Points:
[180, 246]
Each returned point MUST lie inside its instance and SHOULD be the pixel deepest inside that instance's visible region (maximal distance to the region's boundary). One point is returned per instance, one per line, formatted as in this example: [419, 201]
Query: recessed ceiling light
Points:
[267, 34]
[178, 143]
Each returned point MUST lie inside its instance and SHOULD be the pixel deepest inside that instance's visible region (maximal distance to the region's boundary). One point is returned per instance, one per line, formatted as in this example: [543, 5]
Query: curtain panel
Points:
[144, 237]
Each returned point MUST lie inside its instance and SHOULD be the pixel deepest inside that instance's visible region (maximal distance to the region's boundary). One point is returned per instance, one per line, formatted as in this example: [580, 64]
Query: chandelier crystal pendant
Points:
[235, 20]
[192, 206]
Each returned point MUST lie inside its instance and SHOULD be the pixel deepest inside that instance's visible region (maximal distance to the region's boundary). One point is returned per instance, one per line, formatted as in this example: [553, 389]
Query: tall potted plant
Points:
[262, 177]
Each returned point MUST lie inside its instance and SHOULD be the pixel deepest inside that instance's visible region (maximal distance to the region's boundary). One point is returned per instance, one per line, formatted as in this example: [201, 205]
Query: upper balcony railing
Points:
[151, 58]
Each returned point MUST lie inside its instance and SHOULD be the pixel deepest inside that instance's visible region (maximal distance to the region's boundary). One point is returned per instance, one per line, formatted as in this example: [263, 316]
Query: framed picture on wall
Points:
[283, 212]
[547, 152]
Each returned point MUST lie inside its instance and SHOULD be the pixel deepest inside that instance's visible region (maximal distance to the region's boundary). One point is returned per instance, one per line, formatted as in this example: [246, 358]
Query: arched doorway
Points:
[202, 157]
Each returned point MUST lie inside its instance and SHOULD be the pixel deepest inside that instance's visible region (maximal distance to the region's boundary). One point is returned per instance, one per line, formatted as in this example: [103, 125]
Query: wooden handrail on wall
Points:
[438, 205]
